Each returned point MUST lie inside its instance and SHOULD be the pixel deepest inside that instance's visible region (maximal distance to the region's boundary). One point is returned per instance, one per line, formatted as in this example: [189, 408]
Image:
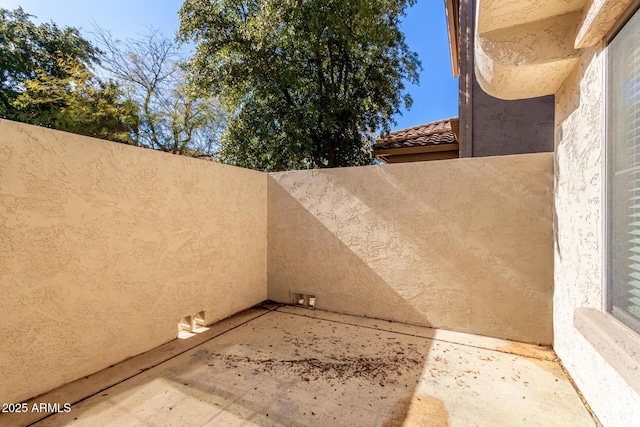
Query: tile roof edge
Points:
[419, 126]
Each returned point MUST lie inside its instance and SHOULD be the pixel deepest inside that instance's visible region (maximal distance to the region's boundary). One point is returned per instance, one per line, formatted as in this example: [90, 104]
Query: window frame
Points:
[606, 305]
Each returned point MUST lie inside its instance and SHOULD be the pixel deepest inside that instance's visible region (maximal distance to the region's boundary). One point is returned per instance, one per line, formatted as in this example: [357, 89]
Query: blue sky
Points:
[425, 28]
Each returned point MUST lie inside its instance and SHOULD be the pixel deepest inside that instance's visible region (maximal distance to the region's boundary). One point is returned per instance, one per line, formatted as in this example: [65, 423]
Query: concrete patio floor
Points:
[289, 366]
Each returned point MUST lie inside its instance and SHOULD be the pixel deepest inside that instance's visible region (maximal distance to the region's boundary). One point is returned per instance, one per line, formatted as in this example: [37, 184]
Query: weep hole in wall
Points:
[303, 299]
[189, 326]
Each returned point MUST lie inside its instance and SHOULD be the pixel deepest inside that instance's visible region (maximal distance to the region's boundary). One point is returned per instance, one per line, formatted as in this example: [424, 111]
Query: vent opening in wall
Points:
[303, 299]
[189, 326]
[199, 319]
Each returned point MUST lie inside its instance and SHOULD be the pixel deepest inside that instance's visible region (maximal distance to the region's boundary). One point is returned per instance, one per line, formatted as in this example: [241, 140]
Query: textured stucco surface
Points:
[597, 20]
[105, 247]
[462, 244]
[527, 48]
[490, 126]
[503, 127]
[528, 60]
[498, 14]
[579, 246]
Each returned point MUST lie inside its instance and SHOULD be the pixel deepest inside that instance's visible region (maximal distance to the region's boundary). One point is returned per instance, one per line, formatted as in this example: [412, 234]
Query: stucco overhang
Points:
[597, 20]
[527, 48]
[528, 60]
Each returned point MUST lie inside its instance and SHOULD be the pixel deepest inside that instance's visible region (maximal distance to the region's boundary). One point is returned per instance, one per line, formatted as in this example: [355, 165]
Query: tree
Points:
[305, 82]
[46, 80]
[26, 50]
[78, 103]
[172, 118]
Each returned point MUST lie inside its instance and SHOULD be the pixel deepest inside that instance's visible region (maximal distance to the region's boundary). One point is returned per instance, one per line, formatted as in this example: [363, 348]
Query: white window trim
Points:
[613, 340]
[617, 26]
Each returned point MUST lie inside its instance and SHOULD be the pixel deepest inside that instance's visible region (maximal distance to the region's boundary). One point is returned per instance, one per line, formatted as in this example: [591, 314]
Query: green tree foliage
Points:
[77, 103]
[172, 118]
[28, 50]
[306, 82]
[46, 79]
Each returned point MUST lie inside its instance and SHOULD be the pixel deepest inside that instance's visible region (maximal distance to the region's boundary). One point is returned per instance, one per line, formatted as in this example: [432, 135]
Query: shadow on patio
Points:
[279, 365]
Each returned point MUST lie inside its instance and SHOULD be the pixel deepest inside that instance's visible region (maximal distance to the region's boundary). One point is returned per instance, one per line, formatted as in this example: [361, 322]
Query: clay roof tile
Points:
[434, 133]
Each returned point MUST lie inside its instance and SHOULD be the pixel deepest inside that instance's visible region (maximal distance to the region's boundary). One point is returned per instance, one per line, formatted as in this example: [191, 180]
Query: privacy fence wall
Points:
[104, 248]
[462, 244]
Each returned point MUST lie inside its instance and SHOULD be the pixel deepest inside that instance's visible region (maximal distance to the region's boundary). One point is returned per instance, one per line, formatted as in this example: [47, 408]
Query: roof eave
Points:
[452, 8]
[416, 150]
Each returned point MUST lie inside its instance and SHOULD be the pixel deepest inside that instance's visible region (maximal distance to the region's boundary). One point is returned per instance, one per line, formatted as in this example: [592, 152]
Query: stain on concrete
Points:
[427, 411]
[528, 350]
[398, 413]
[552, 367]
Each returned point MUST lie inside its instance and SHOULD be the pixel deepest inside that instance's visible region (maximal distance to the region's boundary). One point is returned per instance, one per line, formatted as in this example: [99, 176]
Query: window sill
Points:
[616, 344]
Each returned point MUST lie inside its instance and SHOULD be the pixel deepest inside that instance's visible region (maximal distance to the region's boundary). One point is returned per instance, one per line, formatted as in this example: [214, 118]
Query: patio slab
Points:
[290, 366]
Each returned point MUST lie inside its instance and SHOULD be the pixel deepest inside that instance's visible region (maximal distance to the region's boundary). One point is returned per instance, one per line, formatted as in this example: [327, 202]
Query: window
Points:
[623, 164]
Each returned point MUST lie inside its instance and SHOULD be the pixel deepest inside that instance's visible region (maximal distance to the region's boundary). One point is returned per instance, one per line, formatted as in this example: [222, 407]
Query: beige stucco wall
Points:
[579, 249]
[462, 244]
[105, 247]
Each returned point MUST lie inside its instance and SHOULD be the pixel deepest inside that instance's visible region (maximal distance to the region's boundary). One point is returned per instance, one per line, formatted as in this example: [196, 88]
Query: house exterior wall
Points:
[492, 126]
[598, 351]
[105, 247]
[579, 247]
[510, 127]
[462, 244]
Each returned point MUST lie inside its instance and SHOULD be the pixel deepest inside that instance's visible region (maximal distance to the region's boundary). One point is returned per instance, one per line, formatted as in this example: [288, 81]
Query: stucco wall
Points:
[510, 127]
[579, 249]
[461, 244]
[492, 126]
[105, 247]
